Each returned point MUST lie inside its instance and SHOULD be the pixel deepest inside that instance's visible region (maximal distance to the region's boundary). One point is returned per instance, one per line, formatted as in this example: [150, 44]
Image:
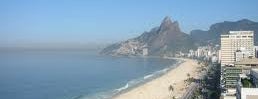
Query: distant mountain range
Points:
[212, 36]
[169, 39]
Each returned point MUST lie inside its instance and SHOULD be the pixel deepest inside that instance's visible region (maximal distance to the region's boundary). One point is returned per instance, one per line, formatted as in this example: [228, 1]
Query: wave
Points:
[146, 78]
[130, 84]
[122, 88]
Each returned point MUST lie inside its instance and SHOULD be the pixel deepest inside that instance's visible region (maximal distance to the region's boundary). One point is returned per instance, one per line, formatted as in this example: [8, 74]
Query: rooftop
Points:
[248, 61]
[240, 32]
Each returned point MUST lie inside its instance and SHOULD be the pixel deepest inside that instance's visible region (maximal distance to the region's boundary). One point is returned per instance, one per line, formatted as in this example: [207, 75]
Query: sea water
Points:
[73, 74]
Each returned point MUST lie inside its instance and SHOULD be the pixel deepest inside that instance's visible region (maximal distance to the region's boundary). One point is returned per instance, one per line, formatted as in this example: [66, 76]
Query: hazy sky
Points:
[35, 22]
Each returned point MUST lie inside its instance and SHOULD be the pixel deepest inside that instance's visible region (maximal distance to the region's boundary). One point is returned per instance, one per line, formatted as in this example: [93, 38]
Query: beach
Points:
[159, 88]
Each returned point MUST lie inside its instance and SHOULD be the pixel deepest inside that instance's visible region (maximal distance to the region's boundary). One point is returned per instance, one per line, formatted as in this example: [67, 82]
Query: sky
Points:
[78, 22]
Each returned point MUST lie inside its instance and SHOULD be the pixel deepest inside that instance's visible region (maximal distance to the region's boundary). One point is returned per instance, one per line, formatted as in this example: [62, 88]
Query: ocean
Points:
[73, 74]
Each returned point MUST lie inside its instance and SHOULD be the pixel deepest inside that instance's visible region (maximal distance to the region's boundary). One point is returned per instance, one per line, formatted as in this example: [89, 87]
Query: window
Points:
[224, 36]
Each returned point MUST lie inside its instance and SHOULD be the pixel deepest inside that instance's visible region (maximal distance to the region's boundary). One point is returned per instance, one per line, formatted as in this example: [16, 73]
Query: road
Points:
[190, 90]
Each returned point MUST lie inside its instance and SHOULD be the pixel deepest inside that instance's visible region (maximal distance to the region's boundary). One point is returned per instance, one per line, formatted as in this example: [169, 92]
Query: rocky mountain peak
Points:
[168, 24]
[167, 38]
[166, 20]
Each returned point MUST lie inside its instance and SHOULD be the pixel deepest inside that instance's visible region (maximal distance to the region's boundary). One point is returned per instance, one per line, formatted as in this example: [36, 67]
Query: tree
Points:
[188, 75]
[171, 89]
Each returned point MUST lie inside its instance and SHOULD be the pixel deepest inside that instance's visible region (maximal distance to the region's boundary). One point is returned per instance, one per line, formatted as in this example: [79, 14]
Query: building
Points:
[234, 41]
[145, 51]
[247, 64]
[205, 52]
[214, 59]
[241, 54]
[246, 88]
[231, 73]
[191, 53]
[231, 76]
[244, 92]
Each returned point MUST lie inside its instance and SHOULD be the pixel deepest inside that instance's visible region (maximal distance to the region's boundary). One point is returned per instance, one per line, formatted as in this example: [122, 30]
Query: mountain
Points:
[213, 34]
[167, 38]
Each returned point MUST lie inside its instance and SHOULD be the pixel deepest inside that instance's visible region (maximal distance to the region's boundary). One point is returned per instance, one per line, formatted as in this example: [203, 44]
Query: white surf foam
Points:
[130, 84]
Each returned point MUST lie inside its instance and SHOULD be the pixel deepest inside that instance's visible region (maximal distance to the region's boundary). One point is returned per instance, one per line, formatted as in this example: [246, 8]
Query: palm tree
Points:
[188, 75]
[188, 78]
[171, 89]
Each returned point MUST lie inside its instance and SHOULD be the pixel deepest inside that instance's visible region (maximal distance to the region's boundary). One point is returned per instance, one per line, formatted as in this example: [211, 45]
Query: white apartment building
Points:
[145, 51]
[234, 41]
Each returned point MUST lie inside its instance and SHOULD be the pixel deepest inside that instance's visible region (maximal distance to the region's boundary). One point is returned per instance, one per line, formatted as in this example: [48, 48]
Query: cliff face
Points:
[213, 34]
[167, 38]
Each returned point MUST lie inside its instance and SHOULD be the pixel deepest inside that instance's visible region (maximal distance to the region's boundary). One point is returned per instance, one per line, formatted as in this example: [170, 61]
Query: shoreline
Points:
[155, 76]
[158, 86]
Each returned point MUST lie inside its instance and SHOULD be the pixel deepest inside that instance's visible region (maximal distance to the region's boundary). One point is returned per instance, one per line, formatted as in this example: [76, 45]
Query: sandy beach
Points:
[159, 87]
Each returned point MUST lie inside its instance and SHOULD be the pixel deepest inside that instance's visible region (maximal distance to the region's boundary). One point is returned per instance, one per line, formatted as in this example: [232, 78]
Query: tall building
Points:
[231, 44]
[235, 40]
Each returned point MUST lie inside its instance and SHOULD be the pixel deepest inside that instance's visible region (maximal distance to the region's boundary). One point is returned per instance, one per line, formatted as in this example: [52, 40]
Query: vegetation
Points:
[209, 85]
[246, 83]
[171, 89]
[188, 75]
[189, 79]
[197, 94]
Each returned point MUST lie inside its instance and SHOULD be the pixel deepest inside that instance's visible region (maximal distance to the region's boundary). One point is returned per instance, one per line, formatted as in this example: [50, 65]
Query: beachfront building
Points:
[231, 76]
[205, 52]
[247, 64]
[231, 73]
[191, 53]
[234, 41]
[244, 66]
[230, 45]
